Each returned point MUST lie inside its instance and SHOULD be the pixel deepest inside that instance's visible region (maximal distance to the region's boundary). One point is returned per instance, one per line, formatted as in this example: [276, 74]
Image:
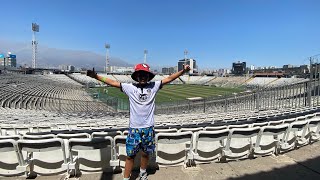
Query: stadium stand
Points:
[36, 139]
[83, 79]
[206, 141]
[47, 92]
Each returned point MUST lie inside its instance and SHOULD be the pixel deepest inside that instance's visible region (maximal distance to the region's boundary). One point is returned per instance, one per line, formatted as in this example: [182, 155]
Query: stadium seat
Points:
[295, 136]
[9, 158]
[119, 151]
[43, 129]
[38, 137]
[125, 132]
[215, 128]
[43, 157]
[268, 141]
[174, 149]
[104, 134]
[209, 145]
[232, 126]
[14, 137]
[239, 143]
[73, 135]
[274, 123]
[190, 129]
[90, 155]
[8, 131]
[314, 129]
[289, 121]
[22, 130]
[261, 124]
[173, 130]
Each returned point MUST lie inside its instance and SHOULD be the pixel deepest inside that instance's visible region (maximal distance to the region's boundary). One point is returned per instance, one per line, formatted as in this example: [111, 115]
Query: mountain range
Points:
[48, 57]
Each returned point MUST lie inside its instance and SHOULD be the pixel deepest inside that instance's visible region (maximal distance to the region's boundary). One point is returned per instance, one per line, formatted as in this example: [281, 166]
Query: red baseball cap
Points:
[142, 67]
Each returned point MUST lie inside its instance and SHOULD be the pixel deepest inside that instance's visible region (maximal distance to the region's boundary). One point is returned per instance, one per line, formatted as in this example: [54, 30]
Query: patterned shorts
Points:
[140, 138]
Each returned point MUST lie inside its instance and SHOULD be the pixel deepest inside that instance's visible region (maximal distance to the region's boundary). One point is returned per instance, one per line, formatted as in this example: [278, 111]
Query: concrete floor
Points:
[303, 163]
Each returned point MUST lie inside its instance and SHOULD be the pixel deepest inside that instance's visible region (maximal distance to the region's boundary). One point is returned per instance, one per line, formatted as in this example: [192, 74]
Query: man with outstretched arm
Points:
[141, 95]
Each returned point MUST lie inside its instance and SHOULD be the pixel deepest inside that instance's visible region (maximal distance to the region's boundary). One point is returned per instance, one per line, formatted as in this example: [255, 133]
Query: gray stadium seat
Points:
[295, 136]
[9, 158]
[119, 151]
[104, 134]
[190, 129]
[269, 139]
[261, 124]
[313, 129]
[239, 143]
[38, 137]
[90, 155]
[173, 130]
[209, 145]
[215, 128]
[14, 137]
[174, 148]
[232, 126]
[44, 157]
[73, 135]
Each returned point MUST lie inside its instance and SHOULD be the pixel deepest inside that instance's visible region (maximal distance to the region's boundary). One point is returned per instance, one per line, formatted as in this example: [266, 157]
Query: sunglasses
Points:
[142, 74]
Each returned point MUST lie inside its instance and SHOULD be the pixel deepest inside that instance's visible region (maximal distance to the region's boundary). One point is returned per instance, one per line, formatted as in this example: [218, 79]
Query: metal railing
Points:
[262, 98]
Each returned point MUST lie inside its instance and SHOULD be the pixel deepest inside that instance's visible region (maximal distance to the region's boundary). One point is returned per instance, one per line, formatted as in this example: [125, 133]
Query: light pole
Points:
[107, 69]
[4, 64]
[185, 59]
[185, 56]
[35, 28]
[145, 56]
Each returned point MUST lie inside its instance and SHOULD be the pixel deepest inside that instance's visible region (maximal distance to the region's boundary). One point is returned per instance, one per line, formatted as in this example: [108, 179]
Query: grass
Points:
[171, 93]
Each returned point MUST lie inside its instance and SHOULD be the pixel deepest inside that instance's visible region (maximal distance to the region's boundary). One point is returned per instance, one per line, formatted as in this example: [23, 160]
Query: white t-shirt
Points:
[142, 103]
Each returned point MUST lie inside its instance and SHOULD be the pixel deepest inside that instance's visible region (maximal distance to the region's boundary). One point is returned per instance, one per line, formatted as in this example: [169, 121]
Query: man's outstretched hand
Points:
[92, 73]
[186, 68]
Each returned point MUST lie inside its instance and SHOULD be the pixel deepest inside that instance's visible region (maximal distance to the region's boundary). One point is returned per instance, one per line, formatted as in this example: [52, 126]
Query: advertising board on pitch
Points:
[12, 56]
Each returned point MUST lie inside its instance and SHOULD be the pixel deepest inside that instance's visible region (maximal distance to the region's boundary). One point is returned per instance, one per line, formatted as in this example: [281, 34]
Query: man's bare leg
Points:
[128, 166]
[144, 160]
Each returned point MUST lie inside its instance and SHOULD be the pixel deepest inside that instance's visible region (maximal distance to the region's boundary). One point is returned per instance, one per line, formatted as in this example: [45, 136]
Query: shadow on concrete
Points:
[309, 169]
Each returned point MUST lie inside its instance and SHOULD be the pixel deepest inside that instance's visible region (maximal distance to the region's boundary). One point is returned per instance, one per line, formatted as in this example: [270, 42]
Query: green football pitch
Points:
[171, 93]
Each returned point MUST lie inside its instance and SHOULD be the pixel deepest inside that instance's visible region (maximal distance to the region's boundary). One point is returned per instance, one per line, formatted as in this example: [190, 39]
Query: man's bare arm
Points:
[174, 76]
[108, 81]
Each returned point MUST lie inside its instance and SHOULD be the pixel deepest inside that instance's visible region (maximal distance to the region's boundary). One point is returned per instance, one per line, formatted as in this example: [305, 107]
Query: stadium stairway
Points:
[183, 82]
[273, 81]
[80, 82]
[211, 80]
[248, 80]
[115, 77]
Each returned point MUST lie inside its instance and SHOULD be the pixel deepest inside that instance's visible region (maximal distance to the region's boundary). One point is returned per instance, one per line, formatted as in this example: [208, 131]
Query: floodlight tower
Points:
[145, 56]
[107, 46]
[35, 28]
[185, 56]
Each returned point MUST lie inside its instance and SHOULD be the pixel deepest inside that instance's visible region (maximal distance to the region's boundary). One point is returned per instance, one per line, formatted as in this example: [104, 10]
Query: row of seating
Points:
[49, 92]
[35, 122]
[38, 93]
[204, 80]
[71, 153]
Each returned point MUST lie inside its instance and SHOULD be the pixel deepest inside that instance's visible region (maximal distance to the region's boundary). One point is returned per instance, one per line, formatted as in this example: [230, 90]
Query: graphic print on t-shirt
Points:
[144, 97]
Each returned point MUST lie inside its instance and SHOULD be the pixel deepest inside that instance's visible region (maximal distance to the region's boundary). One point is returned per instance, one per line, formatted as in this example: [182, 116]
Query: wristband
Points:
[103, 79]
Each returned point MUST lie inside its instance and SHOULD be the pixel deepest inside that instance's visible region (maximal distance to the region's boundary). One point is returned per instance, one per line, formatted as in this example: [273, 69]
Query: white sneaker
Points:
[143, 176]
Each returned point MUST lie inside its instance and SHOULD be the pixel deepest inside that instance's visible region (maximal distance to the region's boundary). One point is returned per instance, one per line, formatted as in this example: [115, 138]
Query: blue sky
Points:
[215, 32]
